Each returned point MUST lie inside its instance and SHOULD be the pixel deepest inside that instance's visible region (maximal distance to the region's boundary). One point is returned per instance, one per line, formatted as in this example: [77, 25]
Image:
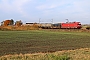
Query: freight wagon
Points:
[46, 25]
[56, 26]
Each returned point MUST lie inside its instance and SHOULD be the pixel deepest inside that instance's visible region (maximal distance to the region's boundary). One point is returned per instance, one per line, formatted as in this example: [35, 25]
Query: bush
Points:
[56, 57]
[5, 29]
[88, 27]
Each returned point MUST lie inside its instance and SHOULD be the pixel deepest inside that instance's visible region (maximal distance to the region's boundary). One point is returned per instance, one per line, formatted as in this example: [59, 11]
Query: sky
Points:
[45, 10]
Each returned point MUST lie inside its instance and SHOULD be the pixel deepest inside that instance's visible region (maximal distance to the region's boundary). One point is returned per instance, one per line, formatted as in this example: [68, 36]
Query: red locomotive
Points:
[76, 25]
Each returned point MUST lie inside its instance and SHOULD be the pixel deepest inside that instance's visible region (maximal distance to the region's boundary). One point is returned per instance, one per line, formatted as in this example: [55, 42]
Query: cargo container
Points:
[56, 26]
[46, 25]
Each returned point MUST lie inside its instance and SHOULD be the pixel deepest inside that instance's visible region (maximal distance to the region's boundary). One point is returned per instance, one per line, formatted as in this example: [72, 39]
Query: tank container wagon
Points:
[56, 25]
[46, 25]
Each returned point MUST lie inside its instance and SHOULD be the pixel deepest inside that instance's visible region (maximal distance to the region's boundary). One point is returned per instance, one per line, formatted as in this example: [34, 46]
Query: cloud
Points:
[44, 7]
[78, 9]
[50, 5]
[13, 6]
[57, 9]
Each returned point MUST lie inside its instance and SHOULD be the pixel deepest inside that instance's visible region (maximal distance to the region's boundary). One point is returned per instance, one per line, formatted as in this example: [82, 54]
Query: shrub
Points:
[88, 27]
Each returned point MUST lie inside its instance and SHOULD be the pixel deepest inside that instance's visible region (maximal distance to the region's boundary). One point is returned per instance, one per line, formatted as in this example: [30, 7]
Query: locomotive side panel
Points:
[76, 25]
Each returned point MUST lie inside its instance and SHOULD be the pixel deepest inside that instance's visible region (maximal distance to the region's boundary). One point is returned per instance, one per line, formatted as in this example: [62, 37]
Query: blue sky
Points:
[45, 10]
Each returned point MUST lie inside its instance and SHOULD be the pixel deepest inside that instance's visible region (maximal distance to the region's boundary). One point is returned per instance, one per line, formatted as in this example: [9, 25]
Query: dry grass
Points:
[34, 27]
[78, 54]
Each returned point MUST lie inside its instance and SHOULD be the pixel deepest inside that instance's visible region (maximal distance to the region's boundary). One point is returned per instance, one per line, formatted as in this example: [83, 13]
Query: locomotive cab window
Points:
[79, 24]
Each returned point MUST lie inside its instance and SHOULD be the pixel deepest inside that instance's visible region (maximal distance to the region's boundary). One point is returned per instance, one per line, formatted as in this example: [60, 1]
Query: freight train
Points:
[67, 25]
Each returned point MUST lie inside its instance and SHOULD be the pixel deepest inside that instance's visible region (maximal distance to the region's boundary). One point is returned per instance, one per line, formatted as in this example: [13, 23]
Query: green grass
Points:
[16, 42]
